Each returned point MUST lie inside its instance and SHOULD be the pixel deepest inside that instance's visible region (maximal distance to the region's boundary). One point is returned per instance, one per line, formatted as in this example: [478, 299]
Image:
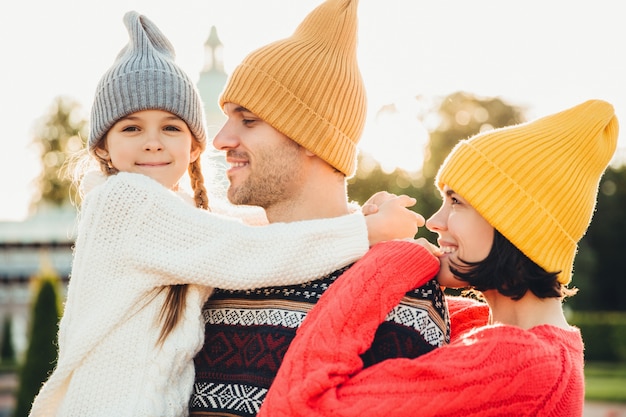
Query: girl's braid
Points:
[197, 184]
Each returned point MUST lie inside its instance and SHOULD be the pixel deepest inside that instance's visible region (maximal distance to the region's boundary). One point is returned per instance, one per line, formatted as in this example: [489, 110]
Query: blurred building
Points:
[44, 241]
[211, 82]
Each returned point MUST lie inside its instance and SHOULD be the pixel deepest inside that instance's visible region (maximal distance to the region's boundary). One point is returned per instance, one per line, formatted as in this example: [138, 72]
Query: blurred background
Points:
[435, 72]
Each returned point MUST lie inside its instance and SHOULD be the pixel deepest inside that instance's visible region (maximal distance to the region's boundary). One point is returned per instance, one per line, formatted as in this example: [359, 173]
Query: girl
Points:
[145, 260]
[516, 201]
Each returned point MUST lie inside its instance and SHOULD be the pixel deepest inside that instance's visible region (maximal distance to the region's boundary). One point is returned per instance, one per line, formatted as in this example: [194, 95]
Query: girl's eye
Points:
[172, 128]
[247, 122]
[130, 129]
[454, 201]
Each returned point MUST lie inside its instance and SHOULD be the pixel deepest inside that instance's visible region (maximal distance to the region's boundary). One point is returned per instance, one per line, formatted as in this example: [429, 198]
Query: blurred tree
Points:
[598, 270]
[58, 135]
[458, 116]
[371, 178]
[7, 352]
[41, 353]
[589, 292]
[461, 115]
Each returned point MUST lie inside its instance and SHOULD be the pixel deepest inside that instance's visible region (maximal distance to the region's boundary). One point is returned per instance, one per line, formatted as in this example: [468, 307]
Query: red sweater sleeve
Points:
[492, 371]
[465, 314]
[346, 316]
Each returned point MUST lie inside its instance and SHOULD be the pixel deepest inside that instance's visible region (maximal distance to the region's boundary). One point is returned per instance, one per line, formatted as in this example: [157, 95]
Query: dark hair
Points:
[509, 271]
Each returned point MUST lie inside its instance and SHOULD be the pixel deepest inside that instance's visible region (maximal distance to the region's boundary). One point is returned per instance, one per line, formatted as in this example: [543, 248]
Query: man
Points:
[296, 110]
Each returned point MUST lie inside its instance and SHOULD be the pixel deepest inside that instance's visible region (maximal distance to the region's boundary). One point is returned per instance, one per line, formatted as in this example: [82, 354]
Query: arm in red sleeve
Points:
[465, 314]
[325, 352]
[490, 371]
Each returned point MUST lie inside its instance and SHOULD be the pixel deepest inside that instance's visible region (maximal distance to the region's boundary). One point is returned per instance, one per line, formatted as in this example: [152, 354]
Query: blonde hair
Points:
[172, 310]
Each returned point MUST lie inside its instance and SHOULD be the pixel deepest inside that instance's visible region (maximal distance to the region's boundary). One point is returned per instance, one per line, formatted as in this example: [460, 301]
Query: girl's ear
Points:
[195, 153]
[102, 153]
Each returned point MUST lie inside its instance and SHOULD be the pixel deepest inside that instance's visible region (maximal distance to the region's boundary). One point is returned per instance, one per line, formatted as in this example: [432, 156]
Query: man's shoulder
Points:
[310, 289]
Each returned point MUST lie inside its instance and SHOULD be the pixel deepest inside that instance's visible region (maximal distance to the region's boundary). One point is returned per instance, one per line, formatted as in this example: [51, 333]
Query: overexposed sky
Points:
[544, 55]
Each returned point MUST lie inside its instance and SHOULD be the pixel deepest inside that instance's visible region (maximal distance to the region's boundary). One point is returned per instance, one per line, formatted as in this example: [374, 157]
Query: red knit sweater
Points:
[494, 370]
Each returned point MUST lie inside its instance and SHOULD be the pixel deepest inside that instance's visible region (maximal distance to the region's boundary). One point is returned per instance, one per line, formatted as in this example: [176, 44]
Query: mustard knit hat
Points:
[308, 86]
[537, 182]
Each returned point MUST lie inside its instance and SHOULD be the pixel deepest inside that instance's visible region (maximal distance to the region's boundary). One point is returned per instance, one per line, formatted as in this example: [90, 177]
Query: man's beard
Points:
[271, 182]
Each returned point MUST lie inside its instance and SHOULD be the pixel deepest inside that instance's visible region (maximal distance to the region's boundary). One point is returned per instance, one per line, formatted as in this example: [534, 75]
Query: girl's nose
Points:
[153, 141]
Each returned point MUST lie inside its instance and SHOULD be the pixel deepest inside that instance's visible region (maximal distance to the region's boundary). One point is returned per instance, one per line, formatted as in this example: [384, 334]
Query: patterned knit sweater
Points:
[248, 333]
[134, 237]
[492, 370]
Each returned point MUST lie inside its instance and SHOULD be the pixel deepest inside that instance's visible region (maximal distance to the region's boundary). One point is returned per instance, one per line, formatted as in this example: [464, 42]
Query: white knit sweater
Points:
[135, 236]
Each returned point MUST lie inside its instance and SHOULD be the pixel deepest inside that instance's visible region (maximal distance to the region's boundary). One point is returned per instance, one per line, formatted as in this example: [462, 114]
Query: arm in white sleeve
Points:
[177, 243]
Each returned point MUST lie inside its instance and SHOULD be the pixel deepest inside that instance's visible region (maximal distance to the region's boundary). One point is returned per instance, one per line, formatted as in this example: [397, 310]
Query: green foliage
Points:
[605, 382]
[7, 351]
[370, 178]
[58, 136]
[605, 284]
[460, 116]
[41, 353]
[583, 278]
[604, 334]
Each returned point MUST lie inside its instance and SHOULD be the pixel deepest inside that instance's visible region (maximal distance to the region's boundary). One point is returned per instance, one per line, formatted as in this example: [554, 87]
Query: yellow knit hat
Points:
[308, 86]
[537, 182]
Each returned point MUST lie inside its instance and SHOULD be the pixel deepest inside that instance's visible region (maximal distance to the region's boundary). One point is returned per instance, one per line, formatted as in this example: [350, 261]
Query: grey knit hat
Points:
[144, 76]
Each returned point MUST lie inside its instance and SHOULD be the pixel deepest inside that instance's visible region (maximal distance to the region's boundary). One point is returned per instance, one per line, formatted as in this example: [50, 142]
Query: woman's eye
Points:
[454, 201]
[247, 122]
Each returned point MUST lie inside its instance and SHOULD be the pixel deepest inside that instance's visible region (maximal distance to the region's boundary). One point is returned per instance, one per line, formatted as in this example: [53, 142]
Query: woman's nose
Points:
[436, 222]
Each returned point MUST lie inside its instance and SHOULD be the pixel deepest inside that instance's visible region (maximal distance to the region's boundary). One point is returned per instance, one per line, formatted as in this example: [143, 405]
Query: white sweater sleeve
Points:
[161, 235]
[251, 215]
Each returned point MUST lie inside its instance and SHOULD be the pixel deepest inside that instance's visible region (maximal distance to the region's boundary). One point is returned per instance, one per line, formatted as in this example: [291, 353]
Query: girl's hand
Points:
[391, 219]
[371, 205]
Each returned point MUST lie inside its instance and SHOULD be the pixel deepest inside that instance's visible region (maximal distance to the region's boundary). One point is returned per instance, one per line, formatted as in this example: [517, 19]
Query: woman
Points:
[516, 202]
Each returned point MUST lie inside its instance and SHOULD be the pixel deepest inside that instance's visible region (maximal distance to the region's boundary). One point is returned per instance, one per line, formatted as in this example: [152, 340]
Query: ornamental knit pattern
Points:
[492, 370]
[248, 333]
[135, 237]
